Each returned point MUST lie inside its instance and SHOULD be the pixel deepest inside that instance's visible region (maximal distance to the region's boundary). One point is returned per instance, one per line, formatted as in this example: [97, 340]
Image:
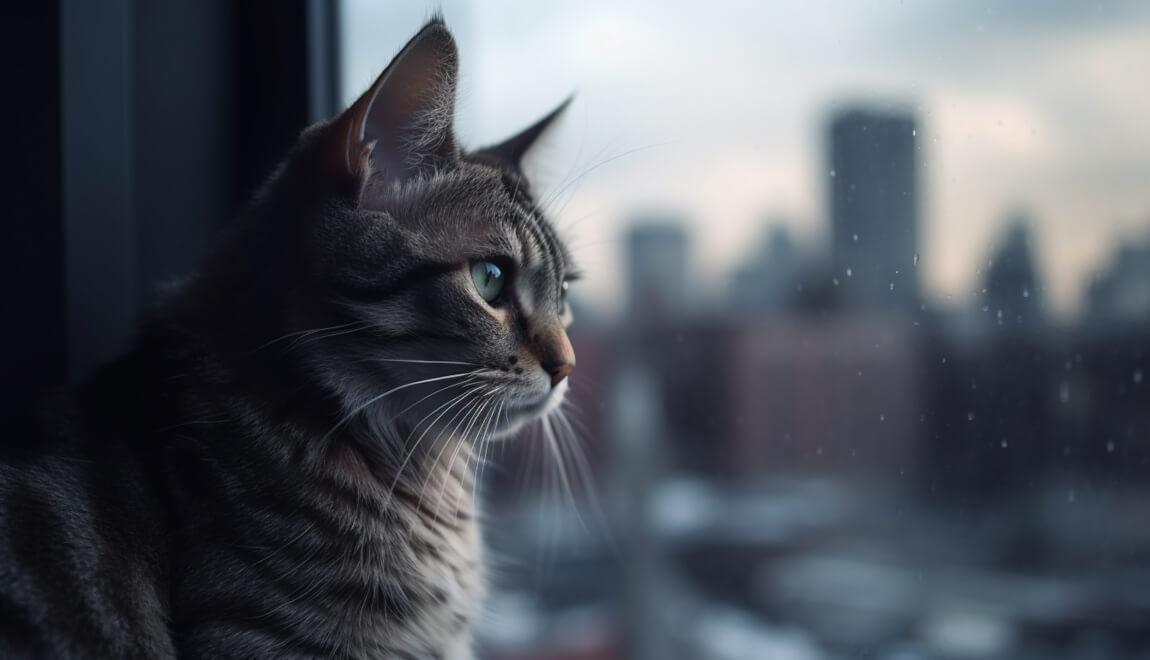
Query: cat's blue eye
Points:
[488, 278]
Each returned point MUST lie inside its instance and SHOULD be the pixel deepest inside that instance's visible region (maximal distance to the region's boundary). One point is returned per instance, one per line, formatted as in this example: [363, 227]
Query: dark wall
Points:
[32, 330]
[182, 104]
[137, 129]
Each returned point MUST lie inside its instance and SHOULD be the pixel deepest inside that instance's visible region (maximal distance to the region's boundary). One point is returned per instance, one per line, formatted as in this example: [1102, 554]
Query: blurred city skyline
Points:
[863, 372]
[718, 115]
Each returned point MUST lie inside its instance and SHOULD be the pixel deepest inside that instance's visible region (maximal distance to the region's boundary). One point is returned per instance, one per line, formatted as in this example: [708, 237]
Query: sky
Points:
[715, 112]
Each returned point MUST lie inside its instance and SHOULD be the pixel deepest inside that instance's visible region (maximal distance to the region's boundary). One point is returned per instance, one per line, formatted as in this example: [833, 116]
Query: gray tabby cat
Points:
[283, 465]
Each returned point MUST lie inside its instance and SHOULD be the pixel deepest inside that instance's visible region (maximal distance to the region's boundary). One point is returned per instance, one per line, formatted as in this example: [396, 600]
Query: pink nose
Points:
[559, 372]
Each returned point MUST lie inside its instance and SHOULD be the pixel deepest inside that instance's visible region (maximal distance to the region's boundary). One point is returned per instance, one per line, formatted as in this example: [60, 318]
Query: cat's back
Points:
[82, 568]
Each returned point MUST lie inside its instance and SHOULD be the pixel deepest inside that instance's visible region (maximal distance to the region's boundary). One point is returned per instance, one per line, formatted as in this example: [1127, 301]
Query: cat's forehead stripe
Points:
[556, 251]
[537, 252]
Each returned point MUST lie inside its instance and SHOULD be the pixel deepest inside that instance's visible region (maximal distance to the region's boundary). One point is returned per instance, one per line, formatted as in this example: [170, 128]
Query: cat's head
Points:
[424, 286]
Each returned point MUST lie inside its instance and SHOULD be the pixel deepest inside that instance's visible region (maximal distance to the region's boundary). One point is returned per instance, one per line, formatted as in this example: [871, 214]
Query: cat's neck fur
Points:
[386, 551]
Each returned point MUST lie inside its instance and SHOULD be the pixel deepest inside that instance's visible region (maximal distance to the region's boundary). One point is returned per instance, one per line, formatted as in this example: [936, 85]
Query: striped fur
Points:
[283, 465]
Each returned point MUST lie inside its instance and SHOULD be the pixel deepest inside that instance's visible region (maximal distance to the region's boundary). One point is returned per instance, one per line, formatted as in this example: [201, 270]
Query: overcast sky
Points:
[716, 110]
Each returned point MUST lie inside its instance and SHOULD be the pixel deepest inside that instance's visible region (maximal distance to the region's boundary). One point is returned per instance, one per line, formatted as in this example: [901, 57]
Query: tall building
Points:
[658, 268]
[874, 205]
[1014, 292]
[1120, 295]
[766, 283]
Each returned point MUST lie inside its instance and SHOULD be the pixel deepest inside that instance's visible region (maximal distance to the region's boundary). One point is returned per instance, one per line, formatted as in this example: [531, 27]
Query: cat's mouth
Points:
[522, 413]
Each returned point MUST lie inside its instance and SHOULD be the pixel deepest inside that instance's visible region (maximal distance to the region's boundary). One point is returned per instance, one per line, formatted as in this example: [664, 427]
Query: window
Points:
[864, 338]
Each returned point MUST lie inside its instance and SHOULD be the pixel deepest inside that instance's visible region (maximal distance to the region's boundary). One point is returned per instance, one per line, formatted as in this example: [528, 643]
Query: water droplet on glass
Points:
[913, 132]
[970, 417]
[1025, 292]
[848, 272]
[916, 258]
[1004, 445]
[1110, 446]
[892, 286]
[999, 317]
[1064, 392]
[855, 237]
[1137, 376]
[944, 360]
[881, 417]
[832, 174]
[835, 280]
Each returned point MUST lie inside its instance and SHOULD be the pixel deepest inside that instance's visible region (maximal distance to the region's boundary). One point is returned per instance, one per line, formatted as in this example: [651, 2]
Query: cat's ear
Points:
[511, 151]
[403, 123]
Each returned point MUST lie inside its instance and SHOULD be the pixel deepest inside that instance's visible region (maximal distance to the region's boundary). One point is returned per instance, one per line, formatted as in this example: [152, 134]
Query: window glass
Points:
[863, 336]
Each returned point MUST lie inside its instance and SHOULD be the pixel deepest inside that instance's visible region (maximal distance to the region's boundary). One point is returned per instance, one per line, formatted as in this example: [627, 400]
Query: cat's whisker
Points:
[469, 364]
[479, 403]
[461, 383]
[570, 226]
[560, 463]
[552, 495]
[328, 335]
[411, 451]
[575, 162]
[583, 470]
[471, 464]
[525, 473]
[358, 409]
[577, 181]
[579, 247]
[571, 177]
[447, 473]
[462, 440]
[485, 443]
[308, 331]
[468, 389]
[490, 426]
[570, 416]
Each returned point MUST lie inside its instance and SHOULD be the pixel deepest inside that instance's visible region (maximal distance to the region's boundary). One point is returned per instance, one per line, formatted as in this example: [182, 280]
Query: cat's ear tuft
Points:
[403, 124]
[514, 149]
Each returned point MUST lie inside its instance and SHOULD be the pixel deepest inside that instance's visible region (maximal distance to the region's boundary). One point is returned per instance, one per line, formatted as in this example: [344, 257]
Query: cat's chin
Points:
[521, 415]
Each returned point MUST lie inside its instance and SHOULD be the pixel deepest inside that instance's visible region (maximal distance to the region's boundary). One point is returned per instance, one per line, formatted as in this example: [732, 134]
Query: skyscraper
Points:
[1014, 292]
[658, 269]
[874, 205]
[1120, 295]
[766, 283]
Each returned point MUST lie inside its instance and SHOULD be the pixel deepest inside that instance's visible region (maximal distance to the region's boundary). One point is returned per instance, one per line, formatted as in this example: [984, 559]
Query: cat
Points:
[282, 464]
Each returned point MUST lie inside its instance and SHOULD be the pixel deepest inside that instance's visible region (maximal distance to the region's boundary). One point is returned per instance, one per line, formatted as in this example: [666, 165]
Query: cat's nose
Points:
[556, 355]
[559, 372]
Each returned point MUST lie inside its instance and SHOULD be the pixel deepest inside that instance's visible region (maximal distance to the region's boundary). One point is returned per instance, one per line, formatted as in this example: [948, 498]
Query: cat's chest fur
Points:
[439, 572]
[351, 568]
